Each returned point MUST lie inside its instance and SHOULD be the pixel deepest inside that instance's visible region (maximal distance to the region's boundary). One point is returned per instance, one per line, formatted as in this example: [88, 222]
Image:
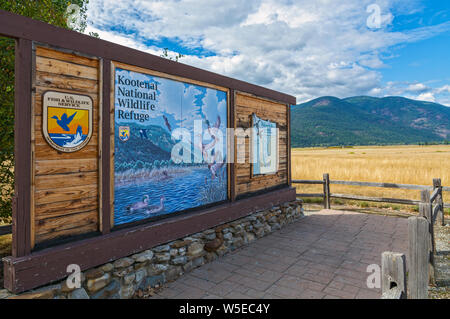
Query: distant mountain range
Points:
[146, 144]
[364, 120]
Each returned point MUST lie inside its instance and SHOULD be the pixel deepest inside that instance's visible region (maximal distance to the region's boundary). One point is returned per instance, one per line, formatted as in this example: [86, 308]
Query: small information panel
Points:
[67, 120]
[264, 146]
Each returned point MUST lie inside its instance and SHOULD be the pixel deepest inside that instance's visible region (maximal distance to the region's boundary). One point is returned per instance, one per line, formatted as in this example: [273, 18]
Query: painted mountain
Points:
[154, 139]
[364, 120]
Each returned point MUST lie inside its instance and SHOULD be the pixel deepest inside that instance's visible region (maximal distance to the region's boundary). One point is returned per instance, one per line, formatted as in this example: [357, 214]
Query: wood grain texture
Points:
[65, 185]
[105, 149]
[44, 182]
[57, 67]
[51, 228]
[67, 83]
[111, 144]
[56, 209]
[245, 105]
[393, 275]
[21, 202]
[66, 194]
[419, 246]
[66, 57]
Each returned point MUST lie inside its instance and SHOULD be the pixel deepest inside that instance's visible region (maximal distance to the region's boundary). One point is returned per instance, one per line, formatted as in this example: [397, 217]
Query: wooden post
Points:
[418, 229]
[426, 211]
[21, 210]
[288, 144]
[105, 213]
[439, 200]
[233, 147]
[393, 275]
[326, 191]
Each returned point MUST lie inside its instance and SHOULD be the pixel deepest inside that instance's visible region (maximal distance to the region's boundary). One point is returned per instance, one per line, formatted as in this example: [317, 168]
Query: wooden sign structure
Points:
[65, 152]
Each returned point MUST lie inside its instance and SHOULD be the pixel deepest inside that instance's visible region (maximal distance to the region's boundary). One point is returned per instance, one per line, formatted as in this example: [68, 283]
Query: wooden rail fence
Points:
[422, 249]
[395, 284]
[436, 187]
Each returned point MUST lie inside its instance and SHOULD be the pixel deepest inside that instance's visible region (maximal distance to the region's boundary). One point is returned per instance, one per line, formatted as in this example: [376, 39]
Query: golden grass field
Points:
[409, 164]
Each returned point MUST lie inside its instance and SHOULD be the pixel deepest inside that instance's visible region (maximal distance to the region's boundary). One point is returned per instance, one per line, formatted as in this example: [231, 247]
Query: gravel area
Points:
[442, 263]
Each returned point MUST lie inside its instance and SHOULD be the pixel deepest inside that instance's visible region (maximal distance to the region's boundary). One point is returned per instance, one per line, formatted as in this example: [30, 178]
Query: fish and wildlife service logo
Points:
[124, 133]
[67, 120]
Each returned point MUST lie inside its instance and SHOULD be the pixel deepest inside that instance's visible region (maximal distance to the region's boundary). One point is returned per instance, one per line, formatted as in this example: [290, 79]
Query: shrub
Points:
[364, 204]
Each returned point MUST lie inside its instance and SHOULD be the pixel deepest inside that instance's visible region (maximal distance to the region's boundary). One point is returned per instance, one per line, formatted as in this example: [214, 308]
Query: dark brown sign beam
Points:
[21, 223]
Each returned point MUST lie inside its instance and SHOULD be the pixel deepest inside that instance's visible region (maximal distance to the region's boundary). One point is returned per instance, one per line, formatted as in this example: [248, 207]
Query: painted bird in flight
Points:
[64, 121]
[167, 123]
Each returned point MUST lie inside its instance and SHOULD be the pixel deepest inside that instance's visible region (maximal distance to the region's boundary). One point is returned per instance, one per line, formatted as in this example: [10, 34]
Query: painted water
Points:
[194, 188]
[68, 140]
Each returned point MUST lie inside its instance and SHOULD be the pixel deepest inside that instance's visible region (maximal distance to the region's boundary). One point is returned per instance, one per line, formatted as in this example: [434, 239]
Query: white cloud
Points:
[304, 48]
[427, 96]
[417, 87]
[443, 89]
[416, 91]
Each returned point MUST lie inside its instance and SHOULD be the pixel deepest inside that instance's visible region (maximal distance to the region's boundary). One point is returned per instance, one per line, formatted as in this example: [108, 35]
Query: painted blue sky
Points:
[304, 48]
[181, 103]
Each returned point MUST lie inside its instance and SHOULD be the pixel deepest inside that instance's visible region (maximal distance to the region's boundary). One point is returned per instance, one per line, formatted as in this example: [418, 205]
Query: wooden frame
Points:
[132, 68]
[33, 144]
[232, 145]
[26, 269]
[22, 213]
[105, 144]
[288, 144]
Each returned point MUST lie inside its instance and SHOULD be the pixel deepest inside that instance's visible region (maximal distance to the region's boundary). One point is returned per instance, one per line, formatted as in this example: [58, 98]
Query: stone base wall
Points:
[154, 267]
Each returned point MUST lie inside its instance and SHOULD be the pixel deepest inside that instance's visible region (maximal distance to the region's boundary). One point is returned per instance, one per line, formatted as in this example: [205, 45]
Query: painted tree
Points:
[54, 12]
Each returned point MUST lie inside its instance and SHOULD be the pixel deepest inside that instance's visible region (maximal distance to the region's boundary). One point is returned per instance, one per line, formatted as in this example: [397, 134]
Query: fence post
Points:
[426, 210]
[419, 252]
[393, 275]
[440, 200]
[326, 191]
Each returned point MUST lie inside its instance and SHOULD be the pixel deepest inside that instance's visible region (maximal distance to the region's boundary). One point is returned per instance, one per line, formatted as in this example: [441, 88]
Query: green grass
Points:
[312, 200]
[364, 204]
[5, 245]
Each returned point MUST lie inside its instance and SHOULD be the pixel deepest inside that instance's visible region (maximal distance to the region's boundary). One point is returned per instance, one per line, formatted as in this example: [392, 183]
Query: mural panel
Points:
[170, 146]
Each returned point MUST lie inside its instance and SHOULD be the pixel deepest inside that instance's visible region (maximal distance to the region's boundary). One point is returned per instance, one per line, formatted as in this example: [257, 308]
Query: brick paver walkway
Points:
[324, 255]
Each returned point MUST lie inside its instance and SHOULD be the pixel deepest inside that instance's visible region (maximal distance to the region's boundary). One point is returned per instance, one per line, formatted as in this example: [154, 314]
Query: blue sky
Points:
[300, 47]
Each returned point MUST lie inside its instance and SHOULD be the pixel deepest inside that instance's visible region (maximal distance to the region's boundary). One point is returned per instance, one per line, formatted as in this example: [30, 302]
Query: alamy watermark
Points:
[73, 16]
[375, 20]
[374, 279]
[263, 145]
[73, 281]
